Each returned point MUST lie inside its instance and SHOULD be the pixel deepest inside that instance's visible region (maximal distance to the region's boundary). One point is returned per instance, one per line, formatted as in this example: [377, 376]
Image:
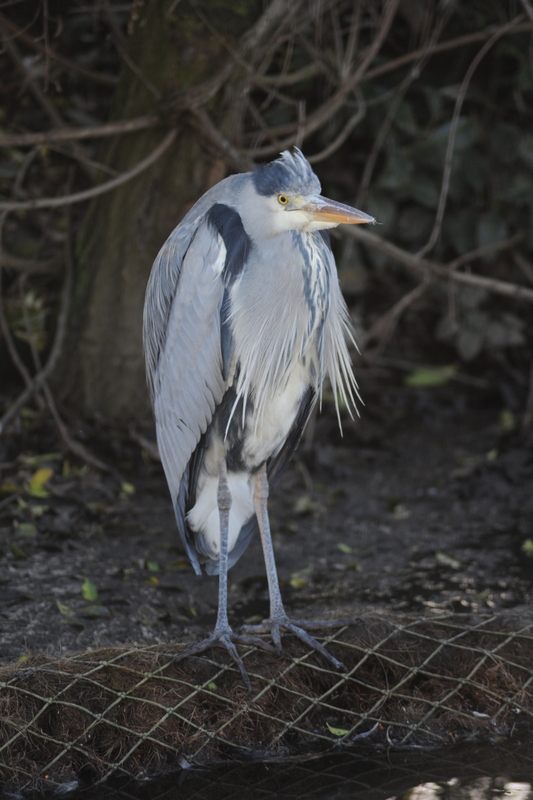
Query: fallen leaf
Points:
[527, 547]
[64, 609]
[337, 731]
[430, 376]
[17, 552]
[89, 590]
[38, 481]
[344, 548]
[26, 529]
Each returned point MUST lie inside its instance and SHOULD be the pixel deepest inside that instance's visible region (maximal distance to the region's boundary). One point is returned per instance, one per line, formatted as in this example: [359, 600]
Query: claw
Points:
[227, 640]
[296, 627]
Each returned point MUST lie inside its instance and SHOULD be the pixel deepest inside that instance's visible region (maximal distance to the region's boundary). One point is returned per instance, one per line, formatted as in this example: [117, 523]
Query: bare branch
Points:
[528, 8]
[17, 59]
[383, 330]
[57, 347]
[95, 191]
[29, 41]
[202, 122]
[453, 131]
[28, 265]
[524, 265]
[93, 132]
[343, 135]
[394, 106]
[325, 112]
[440, 272]
[291, 78]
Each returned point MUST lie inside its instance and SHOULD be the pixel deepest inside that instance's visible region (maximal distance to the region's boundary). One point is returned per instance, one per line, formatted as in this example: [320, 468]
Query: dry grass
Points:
[135, 712]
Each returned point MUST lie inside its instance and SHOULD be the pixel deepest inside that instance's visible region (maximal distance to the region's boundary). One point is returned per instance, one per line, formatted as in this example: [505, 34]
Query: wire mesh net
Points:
[135, 712]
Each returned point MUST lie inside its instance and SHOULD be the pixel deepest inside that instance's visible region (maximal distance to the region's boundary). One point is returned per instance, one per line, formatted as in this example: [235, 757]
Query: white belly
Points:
[263, 438]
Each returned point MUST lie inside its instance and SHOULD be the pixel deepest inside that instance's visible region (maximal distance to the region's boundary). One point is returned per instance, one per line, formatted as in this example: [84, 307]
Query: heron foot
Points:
[227, 639]
[274, 626]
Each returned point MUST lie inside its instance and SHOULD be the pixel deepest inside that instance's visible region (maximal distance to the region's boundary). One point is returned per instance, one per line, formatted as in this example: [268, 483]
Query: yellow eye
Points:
[283, 199]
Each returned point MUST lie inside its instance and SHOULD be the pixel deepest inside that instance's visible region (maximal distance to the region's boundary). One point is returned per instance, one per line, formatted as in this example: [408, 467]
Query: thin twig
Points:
[71, 444]
[412, 75]
[29, 265]
[4, 327]
[484, 251]
[441, 47]
[382, 69]
[524, 265]
[57, 346]
[345, 132]
[41, 98]
[383, 329]
[331, 106]
[202, 122]
[448, 160]
[528, 8]
[95, 191]
[442, 272]
[92, 132]
[527, 419]
[29, 41]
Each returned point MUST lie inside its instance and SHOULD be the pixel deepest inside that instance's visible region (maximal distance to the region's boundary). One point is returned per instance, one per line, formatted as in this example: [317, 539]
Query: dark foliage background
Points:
[417, 112]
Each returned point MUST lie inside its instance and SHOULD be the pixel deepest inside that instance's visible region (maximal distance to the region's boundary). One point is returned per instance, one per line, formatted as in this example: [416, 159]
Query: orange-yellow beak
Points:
[324, 210]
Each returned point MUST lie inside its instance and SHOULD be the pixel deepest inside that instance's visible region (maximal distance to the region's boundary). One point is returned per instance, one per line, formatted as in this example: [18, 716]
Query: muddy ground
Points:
[425, 505]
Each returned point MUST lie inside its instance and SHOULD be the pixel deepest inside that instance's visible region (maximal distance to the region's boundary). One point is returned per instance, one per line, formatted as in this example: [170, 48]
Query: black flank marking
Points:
[226, 336]
[227, 222]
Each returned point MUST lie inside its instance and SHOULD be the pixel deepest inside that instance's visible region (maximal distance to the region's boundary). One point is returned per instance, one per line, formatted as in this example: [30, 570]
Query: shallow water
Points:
[459, 773]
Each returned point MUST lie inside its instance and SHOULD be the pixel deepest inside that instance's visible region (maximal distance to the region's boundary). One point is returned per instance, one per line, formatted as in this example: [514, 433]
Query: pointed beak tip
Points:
[337, 213]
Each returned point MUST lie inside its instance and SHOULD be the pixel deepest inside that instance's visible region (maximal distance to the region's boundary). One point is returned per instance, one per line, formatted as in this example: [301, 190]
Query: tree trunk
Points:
[103, 365]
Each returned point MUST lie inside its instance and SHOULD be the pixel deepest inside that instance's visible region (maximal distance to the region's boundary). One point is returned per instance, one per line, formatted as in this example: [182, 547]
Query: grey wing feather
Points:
[183, 343]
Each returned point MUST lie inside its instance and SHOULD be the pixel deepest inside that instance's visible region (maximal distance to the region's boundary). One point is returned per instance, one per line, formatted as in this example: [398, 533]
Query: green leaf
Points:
[305, 506]
[337, 731]
[152, 566]
[27, 530]
[127, 488]
[64, 609]
[43, 458]
[507, 421]
[432, 376]
[17, 552]
[527, 548]
[38, 481]
[89, 590]
[344, 548]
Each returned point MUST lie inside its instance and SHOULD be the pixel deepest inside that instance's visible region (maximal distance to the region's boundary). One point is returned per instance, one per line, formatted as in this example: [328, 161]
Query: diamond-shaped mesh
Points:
[134, 712]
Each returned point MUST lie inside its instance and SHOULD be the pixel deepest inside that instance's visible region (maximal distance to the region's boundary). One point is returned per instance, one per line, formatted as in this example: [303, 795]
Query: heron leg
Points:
[223, 635]
[278, 619]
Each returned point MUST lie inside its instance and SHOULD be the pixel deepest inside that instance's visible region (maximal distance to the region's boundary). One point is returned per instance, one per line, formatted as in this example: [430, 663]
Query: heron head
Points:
[289, 193]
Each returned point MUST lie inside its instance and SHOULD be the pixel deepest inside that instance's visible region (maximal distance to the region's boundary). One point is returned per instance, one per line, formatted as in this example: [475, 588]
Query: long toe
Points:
[227, 640]
[275, 625]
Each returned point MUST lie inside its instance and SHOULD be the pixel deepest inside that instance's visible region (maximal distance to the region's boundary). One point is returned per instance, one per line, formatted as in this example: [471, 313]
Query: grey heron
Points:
[243, 321]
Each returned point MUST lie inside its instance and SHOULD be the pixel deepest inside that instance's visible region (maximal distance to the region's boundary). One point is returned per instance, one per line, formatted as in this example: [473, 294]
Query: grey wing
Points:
[182, 339]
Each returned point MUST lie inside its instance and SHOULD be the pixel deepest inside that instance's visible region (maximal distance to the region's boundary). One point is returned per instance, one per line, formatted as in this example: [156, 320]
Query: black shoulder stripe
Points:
[227, 222]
